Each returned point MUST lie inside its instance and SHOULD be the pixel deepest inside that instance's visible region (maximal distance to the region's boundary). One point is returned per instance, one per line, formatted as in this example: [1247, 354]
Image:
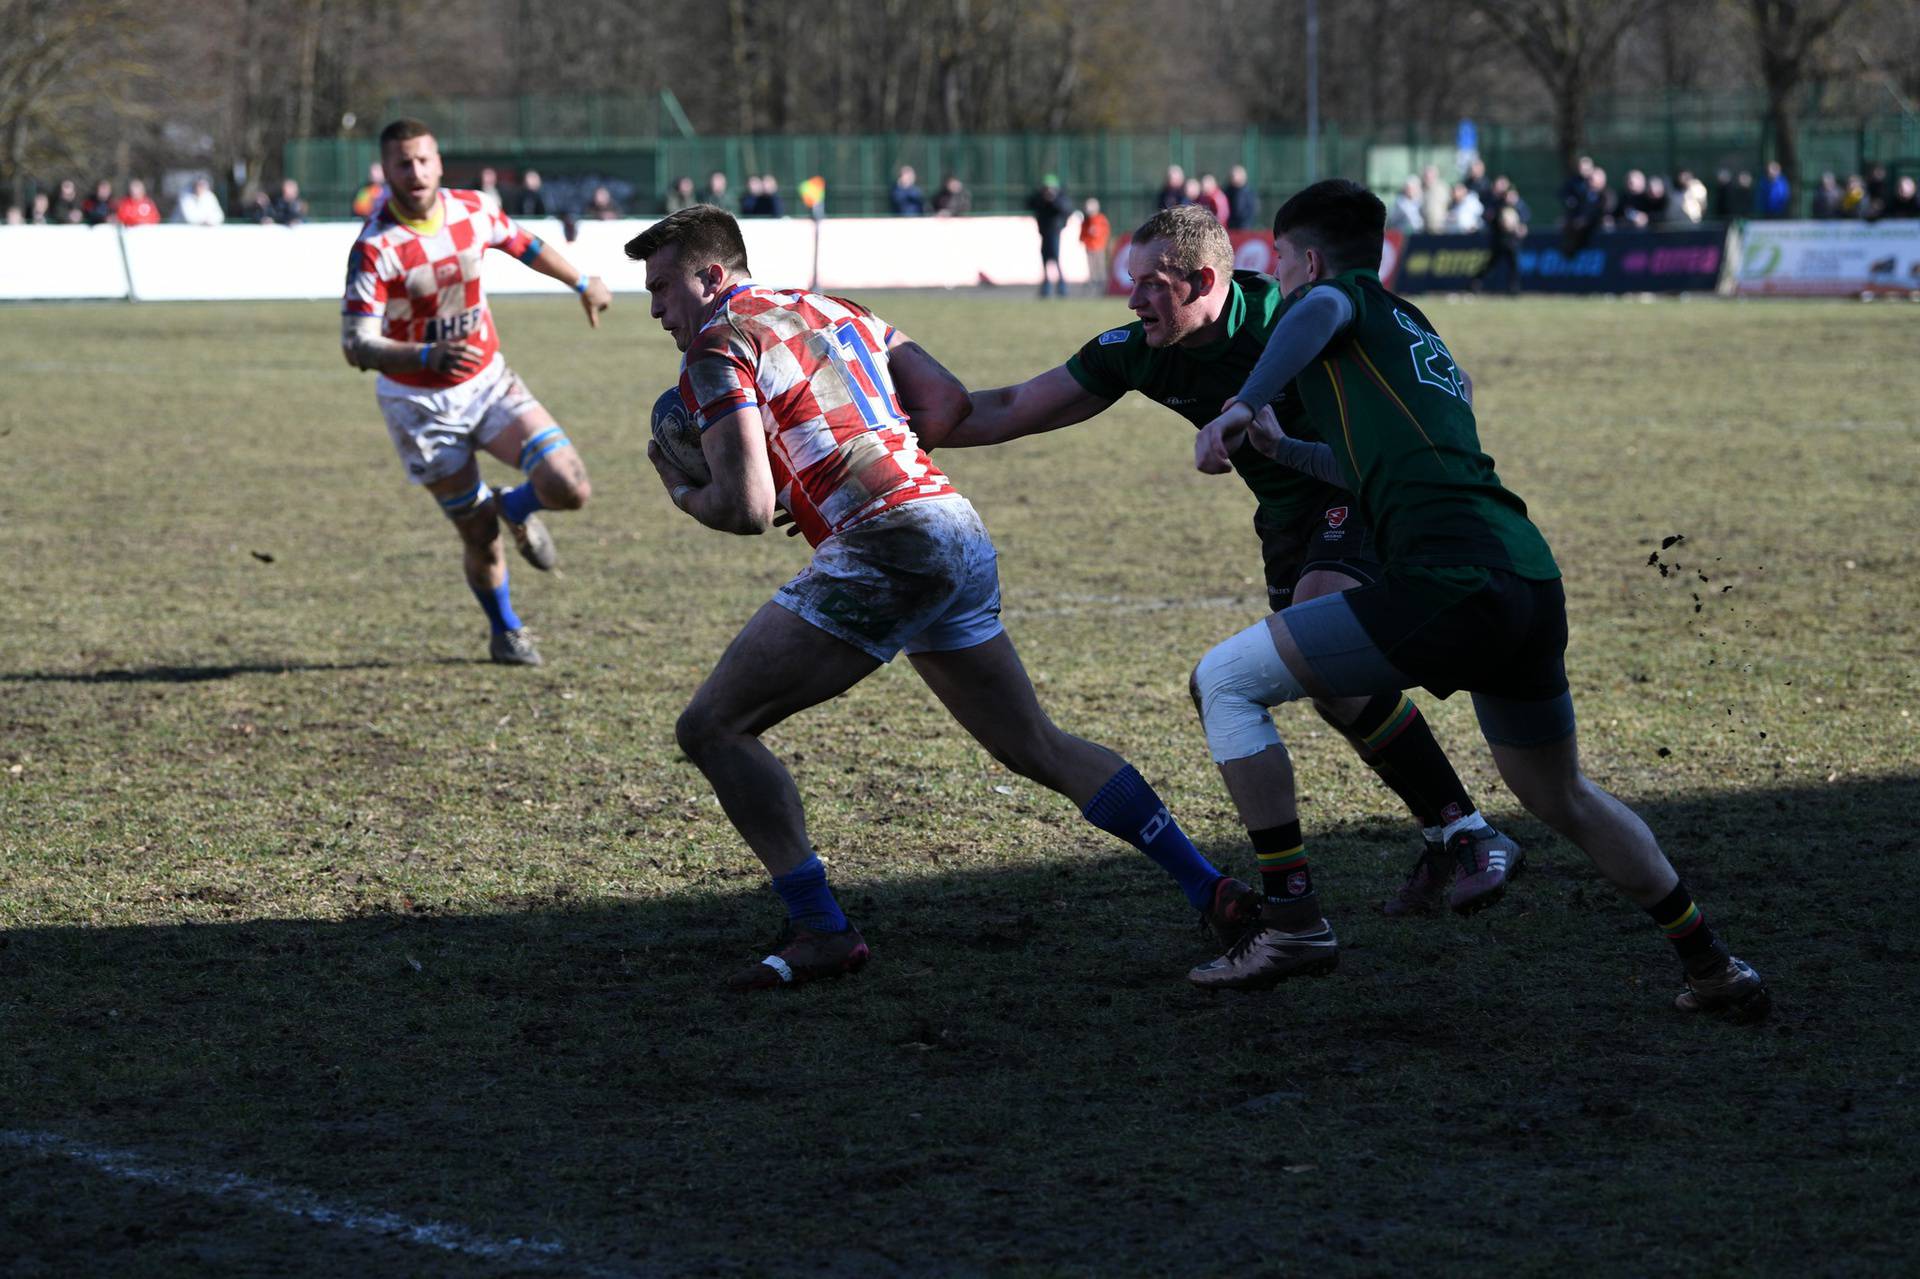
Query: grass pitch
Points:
[293, 884]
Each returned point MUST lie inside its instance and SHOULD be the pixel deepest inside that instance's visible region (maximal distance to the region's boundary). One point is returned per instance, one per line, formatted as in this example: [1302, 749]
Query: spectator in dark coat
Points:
[1506, 228]
[66, 204]
[1573, 192]
[287, 208]
[602, 207]
[1824, 204]
[1905, 201]
[771, 205]
[1876, 190]
[680, 195]
[905, 199]
[1050, 213]
[98, 207]
[1243, 202]
[952, 199]
[529, 201]
[1175, 191]
[1594, 210]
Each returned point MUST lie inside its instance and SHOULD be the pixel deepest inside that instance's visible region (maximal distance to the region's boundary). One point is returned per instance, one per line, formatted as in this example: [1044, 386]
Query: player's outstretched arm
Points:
[934, 399]
[740, 497]
[595, 296]
[1044, 403]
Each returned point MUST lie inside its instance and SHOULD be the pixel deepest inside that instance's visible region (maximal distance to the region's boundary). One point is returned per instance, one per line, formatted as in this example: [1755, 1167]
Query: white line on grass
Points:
[296, 1202]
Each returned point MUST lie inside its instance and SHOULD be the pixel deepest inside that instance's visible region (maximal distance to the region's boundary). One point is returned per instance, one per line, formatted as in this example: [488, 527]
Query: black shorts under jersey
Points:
[1335, 538]
[1485, 630]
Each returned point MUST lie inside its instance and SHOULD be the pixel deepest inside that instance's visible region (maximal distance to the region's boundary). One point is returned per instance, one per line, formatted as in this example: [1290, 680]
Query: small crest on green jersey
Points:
[1113, 337]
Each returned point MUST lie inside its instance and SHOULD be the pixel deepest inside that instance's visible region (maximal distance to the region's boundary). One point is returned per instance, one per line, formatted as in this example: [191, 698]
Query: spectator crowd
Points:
[1472, 203]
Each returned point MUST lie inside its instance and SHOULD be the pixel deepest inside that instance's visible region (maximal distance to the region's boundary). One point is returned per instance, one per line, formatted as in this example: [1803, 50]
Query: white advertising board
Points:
[171, 262]
[1803, 259]
[61, 262]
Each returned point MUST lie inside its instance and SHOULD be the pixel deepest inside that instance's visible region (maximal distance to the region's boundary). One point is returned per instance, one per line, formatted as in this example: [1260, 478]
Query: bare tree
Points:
[1789, 37]
[64, 65]
[1569, 44]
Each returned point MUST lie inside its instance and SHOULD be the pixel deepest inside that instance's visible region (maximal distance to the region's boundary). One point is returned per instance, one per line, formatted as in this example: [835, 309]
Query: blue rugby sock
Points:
[519, 502]
[1128, 808]
[810, 902]
[498, 606]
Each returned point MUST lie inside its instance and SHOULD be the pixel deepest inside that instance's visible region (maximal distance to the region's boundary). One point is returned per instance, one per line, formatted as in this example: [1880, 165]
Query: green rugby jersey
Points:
[1387, 397]
[1196, 382]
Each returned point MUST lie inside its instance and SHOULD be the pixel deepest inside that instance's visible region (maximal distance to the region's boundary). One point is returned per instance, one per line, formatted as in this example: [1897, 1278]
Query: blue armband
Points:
[426, 354]
[532, 250]
[580, 286]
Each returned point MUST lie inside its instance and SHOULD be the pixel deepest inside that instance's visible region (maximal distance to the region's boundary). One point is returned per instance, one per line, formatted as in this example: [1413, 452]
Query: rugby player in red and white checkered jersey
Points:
[415, 312]
[814, 406]
[839, 444]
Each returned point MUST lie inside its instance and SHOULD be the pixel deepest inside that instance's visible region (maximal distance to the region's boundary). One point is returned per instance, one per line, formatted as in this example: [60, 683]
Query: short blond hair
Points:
[1194, 239]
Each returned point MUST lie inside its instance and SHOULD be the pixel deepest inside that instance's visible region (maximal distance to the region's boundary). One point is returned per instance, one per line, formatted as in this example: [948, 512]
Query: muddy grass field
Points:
[328, 948]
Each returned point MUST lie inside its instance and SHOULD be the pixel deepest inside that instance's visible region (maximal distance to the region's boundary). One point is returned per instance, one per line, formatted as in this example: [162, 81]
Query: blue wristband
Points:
[581, 287]
[426, 356]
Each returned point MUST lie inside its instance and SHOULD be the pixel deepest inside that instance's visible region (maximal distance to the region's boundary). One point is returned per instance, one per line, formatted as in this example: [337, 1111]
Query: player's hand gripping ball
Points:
[679, 438]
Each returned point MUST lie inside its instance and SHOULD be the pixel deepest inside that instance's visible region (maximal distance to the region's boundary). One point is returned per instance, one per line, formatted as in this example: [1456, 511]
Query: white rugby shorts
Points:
[436, 431]
[922, 577]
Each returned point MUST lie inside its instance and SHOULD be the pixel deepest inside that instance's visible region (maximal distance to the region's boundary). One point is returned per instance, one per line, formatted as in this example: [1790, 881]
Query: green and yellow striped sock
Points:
[1284, 874]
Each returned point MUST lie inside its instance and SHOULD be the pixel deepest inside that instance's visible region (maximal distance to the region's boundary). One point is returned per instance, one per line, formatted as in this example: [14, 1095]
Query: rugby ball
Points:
[678, 437]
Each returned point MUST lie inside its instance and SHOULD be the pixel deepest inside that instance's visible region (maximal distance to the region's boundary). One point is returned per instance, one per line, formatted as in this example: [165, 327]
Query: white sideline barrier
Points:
[250, 262]
[61, 262]
[1833, 259]
[230, 263]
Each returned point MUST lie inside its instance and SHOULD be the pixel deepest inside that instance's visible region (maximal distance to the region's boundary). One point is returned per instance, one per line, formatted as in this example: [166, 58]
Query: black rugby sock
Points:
[1392, 736]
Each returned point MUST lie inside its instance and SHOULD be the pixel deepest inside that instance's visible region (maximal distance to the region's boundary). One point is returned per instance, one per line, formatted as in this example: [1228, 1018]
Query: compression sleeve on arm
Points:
[1310, 458]
[1302, 333]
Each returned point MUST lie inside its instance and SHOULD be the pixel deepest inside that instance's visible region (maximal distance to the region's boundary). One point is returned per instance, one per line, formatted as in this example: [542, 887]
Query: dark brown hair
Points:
[704, 233]
[405, 129]
[1342, 219]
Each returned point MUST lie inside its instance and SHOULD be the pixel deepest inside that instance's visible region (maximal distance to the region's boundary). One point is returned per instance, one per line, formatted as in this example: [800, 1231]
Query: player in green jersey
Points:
[1200, 329]
[1202, 326]
[1470, 598]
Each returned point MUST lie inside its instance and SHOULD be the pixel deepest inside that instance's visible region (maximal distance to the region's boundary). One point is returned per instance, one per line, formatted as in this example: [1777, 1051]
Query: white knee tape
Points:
[1238, 680]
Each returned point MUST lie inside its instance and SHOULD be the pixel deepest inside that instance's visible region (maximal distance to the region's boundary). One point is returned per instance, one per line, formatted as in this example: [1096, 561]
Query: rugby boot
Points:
[1426, 888]
[533, 541]
[1728, 988]
[1234, 906]
[1265, 956]
[513, 648]
[1487, 861]
[802, 955]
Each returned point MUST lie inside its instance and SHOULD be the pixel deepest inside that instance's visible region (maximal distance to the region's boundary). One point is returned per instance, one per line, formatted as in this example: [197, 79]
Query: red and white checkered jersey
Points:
[816, 367]
[426, 288]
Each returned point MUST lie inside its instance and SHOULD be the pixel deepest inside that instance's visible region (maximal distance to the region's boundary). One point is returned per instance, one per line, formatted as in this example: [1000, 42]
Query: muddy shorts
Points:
[435, 431]
[1336, 538]
[921, 577]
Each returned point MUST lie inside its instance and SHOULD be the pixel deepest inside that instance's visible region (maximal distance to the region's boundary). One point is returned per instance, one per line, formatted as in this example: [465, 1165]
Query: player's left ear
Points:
[1205, 281]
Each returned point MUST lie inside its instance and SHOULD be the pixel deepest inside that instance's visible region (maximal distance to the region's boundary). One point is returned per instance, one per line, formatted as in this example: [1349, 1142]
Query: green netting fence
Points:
[639, 145]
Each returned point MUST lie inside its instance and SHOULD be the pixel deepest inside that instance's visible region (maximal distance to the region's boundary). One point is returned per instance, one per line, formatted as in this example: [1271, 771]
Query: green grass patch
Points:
[294, 884]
